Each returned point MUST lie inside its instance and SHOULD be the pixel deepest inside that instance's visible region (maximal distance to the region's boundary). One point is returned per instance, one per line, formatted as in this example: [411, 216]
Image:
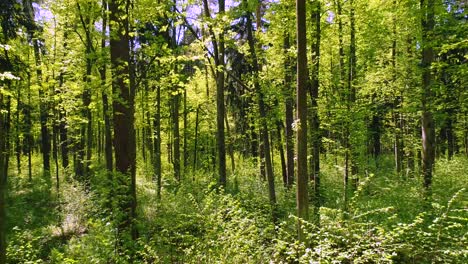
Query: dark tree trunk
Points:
[186, 154]
[428, 126]
[195, 144]
[279, 128]
[342, 91]
[3, 187]
[105, 102]
[218, 46]
[123, 109]
[314, 94]
[302, 197]
[43, 111]
[352, 92]
[176, 135]
[28, 122]
[220, 109]
[19, 105]
[289, 105]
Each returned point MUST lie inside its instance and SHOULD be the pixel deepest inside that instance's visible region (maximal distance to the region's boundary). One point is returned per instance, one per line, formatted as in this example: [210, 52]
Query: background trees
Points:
[127, 101]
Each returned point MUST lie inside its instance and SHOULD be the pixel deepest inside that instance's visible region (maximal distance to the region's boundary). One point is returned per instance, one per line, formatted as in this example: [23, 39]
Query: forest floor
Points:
[387, 219]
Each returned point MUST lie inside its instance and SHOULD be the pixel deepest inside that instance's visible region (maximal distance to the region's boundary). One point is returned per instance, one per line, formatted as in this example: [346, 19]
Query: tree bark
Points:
[428, 126]
[289, 109]
[123, 109]
[302, 197]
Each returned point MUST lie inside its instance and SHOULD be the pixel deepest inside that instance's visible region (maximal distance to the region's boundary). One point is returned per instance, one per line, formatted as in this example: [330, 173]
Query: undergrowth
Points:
[387, 220]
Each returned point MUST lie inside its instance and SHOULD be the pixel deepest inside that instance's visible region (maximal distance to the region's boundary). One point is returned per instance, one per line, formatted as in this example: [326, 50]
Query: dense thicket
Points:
[233, 131]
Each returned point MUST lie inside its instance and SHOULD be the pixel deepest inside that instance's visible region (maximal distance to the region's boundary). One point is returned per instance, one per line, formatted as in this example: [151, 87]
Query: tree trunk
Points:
[314, 94]
[428, 126]
[220, 109]
[123, 109]
[3, 189]
[289, 109]
[302, 197]
[279, 128]
[176, 135]
[105, 102]
[157, 142]
[195, 145]
[262, 111]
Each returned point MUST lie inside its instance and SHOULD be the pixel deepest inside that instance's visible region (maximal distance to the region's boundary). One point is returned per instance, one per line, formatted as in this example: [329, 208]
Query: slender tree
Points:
[302, 197]
[314, 94]
[428, 126]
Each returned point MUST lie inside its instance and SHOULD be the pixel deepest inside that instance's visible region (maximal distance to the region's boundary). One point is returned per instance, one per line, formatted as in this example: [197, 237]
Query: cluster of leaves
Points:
[436, 235]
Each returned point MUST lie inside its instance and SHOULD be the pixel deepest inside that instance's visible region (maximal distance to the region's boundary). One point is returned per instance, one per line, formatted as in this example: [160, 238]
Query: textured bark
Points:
[289, 109]
[123, 109]
[428, 126]
[302, 197]
[314, 94]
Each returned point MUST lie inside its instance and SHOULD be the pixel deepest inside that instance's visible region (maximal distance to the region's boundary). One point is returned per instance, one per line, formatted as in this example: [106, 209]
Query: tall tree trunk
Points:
[218, 46]
[314, 93]
[352, 90]
[302, 197]
[62, 125]
[176, 135]
[3, 187]
[123, 109]
[289, 109]
[428, 126]
[185, 150]
[220, 109]
[157, 142]
[262, 111]
[195, 144]
[342, 91]
[86, 139]
[28, 121]
[105, 101]
[397, 116]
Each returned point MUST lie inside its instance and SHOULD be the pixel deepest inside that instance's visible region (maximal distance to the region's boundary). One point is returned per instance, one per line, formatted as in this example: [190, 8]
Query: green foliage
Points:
[433, 236]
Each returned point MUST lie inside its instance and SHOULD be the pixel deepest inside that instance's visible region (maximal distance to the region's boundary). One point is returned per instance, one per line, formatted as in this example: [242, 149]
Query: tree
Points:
[262, 110]
[427, 121]
[123, 111]
[302, 197]
[314, 96]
